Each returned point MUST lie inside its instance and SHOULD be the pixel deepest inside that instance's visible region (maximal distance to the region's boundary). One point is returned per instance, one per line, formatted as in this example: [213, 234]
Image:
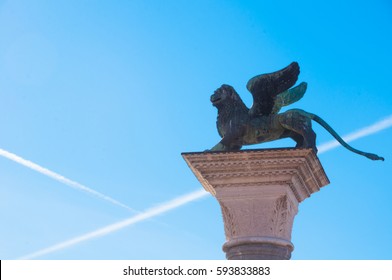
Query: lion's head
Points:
[225, 95]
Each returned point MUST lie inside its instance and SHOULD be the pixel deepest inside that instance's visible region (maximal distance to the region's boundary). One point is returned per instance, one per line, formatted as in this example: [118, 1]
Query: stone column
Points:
[259, 192]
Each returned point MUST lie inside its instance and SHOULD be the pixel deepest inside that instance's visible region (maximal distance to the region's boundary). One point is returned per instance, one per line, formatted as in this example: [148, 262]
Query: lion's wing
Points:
[289, 97]
[266, 87]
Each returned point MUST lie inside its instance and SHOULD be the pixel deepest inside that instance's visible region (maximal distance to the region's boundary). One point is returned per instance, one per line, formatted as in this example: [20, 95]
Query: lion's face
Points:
[222, 94]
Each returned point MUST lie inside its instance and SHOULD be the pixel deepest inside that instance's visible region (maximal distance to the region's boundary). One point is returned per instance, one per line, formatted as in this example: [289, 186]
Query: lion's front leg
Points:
[230, 142]
[219, 147]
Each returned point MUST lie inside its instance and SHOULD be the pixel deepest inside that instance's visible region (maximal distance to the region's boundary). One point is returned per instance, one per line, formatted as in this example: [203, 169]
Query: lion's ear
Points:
[231, 91]
[233, 94]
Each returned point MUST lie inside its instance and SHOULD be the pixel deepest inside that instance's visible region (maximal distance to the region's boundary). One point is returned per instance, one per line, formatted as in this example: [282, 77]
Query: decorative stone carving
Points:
[259, 192]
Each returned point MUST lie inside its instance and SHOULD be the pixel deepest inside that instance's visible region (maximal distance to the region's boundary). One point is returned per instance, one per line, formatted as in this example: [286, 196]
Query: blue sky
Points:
[109, 93]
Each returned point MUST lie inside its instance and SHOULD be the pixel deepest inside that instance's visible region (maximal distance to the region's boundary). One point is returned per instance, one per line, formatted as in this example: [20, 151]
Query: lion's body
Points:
[259, 130]
[243, 130]
[269, 128]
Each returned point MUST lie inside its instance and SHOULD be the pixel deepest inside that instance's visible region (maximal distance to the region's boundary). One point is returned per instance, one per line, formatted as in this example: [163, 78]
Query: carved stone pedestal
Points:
[259, 192]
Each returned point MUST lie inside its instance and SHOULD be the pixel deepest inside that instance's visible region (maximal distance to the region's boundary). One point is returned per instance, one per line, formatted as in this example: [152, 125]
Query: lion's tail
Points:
[338, 138]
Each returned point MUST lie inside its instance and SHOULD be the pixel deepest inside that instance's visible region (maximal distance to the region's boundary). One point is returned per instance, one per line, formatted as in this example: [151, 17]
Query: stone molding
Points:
[250, 248]
[299, 168]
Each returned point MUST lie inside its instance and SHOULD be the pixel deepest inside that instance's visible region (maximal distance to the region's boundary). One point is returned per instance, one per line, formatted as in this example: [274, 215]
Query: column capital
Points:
[299, 168]
[259, 192]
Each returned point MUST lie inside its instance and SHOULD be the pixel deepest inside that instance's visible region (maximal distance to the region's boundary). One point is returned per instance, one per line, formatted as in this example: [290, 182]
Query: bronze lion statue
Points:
[238, 125]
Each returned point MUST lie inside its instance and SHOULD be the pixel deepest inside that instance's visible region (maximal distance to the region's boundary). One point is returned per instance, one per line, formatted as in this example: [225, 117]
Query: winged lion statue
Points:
[238, 125]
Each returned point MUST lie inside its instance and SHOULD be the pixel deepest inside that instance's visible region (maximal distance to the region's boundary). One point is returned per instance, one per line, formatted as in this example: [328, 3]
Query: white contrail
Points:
[177, 202]
[172, 204]
[61, 178]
